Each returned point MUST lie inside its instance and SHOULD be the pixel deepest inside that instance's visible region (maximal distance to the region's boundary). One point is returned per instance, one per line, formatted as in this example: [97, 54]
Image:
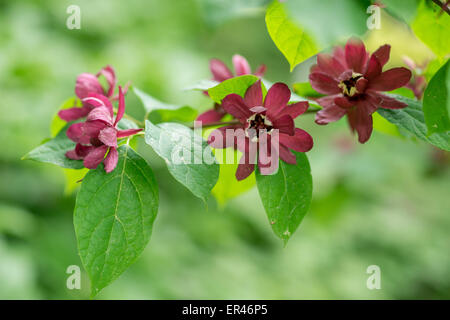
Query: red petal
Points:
[390, 80]
[330, 112]
[72, 154]
[95, 157]
[127, 132]
[294, 109]
[253, 97]
[92, 129]
[301, 141]
[284, 124]
[343, 102]
[356, 55]
[210, 116]
[225, 137]
[361, 85]
[361, 122]
[374, 68]
[241, 65]
[286, 155]
[382, 54]
[260, 71]
[235, 105]
[108, 136]
[98, 100]
[323, 83]
[384, 101]
[74, 113]
[100, 114]
[87, 83]
[111, 160]
[277, 98]
[244, 170]
[76, 134]
[219, 70]
[121, 109]
[329, 65]
[110, 75]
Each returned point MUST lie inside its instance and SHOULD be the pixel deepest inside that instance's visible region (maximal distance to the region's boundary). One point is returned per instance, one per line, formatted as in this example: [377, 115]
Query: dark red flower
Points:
[87, 85]
[221, 73]
[352, 81]
[266, 130]
[97, 136]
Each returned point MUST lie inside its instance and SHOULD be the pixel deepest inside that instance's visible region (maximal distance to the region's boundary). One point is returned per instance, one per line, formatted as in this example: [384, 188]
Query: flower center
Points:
[256, 123]
[349, 86]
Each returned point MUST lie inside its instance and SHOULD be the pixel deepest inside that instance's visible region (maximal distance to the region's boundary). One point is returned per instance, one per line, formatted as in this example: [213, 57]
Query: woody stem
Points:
[443, 6]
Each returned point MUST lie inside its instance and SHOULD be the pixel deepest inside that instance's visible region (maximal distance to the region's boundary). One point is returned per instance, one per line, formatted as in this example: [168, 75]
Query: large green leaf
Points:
[436, 101]
[237, 85]
[286, 195]
[432, 28]
[295, 44]
[411, 119]
[113, 218]
[54, 151]
[163, 112]
[330, 21]
[188, 157]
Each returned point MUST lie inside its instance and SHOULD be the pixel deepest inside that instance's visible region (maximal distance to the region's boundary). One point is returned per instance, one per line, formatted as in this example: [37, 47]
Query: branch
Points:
[443, 6]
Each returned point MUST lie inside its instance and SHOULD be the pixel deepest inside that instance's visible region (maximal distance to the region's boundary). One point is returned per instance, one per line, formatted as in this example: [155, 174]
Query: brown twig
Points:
[443, 6]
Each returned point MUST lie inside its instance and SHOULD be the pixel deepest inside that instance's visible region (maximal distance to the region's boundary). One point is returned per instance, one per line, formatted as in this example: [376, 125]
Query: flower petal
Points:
[286, 155]
[111, 160]
[323, 83]
[344, 102]
[301, 141]
[356, 55]
[384, 101]
[72, 154]
[92, 129]
[76, 134]
[219, 70]
[235, 105]
[253, 96]
[361, 85]
[260, 70]
[390, 80]
[87, 83]
[277, 98]
[121, 109]
[268, 155]
[110, 75]
[108, 136]
[127, 132]
[329, 65]
[294, 109]
[382, 54]
[244, 170]
[361, 122]
[374, 68]
[285, 124]
[225, 137]
[74, 113]
[100, 114]
[95, 100]
[210, 116]
[95, 157]
[330, 112]
[241, 65]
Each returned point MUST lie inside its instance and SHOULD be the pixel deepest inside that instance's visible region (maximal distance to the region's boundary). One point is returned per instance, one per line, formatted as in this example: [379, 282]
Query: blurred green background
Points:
[384, 203]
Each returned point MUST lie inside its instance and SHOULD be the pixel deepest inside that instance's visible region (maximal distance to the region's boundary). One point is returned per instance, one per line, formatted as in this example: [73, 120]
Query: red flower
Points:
[221, 73]
[352, 81]
[87, 85]
[98, 136]
[266, 129]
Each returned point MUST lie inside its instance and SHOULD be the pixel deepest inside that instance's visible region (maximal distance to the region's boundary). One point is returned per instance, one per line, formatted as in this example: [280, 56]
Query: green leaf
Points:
[188, 157]
[411, 119]
[113, 218]
[54, 151]
[163, 111]
[237, 85]
[304, 89]
[202, 85]
[436, 101]
[73, 178]
[286, 195]
[405, 10]
[295, 44]
[432, 28]
[227, 186]
[330, 21]
[57, 123]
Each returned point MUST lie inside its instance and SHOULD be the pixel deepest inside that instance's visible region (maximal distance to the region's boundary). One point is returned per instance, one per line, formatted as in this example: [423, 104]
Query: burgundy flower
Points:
[266, 130]
[352, 81]
[221, 73]
[97, 136]
[88, 84]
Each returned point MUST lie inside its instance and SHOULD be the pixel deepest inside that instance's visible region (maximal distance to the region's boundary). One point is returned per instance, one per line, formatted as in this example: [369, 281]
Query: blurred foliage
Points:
[384, 203]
